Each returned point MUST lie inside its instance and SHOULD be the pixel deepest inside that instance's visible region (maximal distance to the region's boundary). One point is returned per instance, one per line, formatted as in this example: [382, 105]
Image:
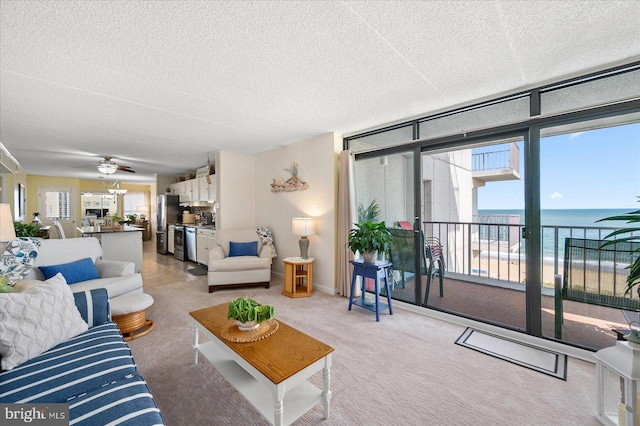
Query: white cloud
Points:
[556, 195]
[575, 135]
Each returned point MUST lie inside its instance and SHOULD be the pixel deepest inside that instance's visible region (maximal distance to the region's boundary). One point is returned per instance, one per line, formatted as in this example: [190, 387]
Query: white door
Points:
[58, 204]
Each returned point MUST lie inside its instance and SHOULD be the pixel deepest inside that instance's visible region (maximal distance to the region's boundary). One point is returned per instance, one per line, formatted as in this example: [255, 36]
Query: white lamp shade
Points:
[303, 226]
[7, 231]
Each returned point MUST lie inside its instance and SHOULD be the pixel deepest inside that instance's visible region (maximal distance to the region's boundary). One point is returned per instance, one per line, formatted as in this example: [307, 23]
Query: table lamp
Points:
[7, 230]
[303, 226]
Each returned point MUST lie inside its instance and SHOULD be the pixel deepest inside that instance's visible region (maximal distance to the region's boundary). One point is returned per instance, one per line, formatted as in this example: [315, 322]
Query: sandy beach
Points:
[514, 269]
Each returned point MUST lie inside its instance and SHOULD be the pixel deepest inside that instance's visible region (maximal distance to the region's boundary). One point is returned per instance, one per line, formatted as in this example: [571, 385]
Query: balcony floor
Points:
[586, 325]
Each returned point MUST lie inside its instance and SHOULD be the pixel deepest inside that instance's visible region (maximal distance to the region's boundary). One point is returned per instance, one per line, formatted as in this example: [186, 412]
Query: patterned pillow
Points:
[267, 239]
[17, 259]
[36, 320]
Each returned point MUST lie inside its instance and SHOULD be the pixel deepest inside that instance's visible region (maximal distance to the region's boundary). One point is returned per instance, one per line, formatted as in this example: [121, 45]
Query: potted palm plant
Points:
[248, 313]
[632, 236]
[369, 238]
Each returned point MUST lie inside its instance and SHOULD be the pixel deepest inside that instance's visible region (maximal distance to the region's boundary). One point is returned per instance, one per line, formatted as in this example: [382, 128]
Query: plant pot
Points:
[370, 257]
[247, 326]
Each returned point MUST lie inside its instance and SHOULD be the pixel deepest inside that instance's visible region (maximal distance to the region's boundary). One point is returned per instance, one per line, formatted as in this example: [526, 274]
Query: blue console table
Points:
[376, 271]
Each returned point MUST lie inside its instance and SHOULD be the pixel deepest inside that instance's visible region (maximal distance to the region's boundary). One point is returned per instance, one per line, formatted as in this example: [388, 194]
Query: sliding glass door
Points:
[490, 195]
[589, 172]
[386, 193]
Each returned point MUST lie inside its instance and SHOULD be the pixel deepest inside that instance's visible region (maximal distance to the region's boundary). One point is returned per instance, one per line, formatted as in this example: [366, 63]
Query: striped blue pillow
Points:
[73, 272]
[93, 306]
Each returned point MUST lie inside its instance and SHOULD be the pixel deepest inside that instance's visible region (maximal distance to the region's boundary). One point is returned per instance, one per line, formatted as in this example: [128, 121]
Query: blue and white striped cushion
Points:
[124, 402]
[83, 363]
[93, 306]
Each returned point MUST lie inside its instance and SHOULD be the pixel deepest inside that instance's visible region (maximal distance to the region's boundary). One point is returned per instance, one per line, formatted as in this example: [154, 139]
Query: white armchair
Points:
[246, 269]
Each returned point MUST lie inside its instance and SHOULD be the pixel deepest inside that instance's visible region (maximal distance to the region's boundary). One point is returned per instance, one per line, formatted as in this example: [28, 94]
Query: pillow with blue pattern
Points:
[243, 249]
[73, 272]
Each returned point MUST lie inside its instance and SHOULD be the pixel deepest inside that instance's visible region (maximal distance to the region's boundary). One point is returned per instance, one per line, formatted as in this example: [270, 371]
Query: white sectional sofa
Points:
[118, 277]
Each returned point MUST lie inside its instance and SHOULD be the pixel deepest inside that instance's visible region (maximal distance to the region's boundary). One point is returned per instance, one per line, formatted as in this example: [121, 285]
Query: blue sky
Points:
[593, 169]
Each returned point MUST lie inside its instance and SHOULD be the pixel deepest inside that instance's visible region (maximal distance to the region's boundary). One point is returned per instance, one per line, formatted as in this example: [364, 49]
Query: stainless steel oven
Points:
[179, 242]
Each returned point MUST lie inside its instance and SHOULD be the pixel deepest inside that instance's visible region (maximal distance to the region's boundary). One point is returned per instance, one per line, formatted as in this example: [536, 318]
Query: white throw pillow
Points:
[36, 320]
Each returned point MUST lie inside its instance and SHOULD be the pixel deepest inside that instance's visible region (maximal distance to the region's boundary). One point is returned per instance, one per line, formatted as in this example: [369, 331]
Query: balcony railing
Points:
[493, 249]
[496, 157]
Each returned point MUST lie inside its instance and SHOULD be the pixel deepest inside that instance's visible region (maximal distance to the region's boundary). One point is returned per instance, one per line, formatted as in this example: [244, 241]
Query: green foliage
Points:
[26, 229]
[633, 279]
[116, 219]
[246, 309]
[132, 217]
[369, 237]
[370, 214]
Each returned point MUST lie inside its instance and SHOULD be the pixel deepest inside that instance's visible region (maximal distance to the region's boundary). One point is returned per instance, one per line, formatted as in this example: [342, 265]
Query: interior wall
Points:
[235, 206]
[317, 160]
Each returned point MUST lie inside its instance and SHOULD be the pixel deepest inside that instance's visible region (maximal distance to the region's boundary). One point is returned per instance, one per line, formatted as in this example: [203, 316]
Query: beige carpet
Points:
[404, 370]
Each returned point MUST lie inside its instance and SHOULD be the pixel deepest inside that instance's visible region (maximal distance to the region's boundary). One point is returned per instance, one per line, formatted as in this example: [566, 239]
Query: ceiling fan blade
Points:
[125, 169]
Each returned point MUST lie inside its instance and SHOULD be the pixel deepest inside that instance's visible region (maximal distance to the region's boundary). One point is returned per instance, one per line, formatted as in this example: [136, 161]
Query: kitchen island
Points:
[118, 243]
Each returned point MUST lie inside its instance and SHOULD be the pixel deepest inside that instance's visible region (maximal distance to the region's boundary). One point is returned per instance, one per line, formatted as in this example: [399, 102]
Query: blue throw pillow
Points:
[74, 272]
[243, 249]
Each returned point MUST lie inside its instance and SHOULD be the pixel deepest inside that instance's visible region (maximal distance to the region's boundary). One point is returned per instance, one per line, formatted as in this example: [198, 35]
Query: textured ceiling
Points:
[160, 84]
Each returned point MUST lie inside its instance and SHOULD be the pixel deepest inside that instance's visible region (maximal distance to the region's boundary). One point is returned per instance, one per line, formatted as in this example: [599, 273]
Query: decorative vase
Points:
[36, 219]
[370, 257]
[247, 326]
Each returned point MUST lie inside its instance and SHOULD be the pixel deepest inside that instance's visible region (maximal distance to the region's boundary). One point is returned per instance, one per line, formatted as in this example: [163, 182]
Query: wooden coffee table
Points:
[271, 373]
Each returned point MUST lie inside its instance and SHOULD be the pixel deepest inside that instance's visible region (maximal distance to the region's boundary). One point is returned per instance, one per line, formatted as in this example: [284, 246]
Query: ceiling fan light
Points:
[117, 190]
[107, 167]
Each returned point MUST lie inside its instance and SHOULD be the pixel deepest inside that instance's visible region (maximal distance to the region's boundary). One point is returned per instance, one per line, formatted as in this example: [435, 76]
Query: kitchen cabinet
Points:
[174, 188]
[207, 191]
[195, 189]
[205, 241]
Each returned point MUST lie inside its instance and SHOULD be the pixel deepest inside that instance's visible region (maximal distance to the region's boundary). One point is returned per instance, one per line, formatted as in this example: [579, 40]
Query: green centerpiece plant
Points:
[248, 313]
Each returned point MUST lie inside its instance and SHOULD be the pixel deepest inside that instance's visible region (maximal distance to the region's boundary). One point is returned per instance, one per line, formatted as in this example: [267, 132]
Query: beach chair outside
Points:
[402, 256]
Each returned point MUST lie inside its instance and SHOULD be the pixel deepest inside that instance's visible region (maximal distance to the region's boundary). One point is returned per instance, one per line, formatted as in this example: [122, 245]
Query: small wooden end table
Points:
[298, 277]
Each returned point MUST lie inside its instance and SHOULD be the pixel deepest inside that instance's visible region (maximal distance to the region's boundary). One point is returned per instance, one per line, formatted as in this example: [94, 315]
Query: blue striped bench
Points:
[94, 372]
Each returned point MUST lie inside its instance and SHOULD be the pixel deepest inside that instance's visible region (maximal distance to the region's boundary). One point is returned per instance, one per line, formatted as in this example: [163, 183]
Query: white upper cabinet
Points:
[195, 189]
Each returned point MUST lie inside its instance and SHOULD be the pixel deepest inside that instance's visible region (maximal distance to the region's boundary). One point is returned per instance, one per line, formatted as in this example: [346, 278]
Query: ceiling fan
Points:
[108, 166]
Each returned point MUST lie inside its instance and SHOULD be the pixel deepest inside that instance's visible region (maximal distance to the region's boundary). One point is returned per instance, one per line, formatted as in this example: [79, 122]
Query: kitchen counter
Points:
[124, 244]
[91, 230]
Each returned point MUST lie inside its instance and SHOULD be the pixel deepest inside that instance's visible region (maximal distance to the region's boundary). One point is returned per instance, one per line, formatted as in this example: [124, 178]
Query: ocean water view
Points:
[572, 217]
[576, 223]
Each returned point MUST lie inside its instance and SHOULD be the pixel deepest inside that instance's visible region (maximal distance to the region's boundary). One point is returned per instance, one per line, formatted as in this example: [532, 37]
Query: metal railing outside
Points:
[496, 157]
[497, 251]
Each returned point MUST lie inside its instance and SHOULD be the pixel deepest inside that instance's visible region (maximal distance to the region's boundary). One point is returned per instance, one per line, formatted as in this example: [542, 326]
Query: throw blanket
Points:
[18, 257]
[267, 239]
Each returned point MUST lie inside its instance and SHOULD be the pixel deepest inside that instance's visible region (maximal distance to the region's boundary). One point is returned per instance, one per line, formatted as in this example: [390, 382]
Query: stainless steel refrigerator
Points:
[167, 212]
